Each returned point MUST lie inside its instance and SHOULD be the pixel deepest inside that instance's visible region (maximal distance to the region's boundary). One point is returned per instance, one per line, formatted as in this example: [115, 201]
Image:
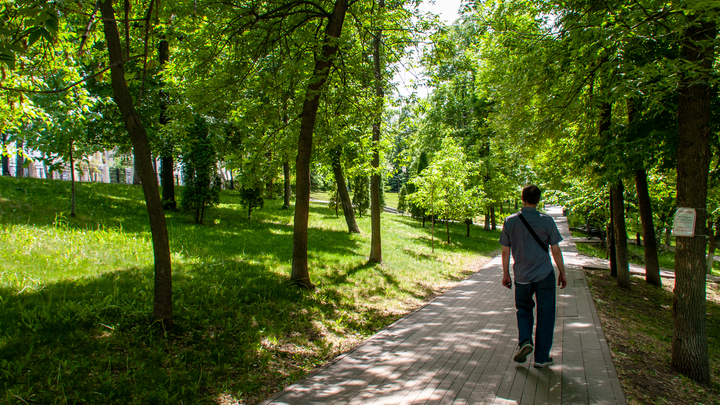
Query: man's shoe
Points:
[549, 362]
[524, 350]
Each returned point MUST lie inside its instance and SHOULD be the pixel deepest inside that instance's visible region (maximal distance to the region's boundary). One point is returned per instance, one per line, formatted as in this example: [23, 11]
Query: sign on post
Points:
[684, 222]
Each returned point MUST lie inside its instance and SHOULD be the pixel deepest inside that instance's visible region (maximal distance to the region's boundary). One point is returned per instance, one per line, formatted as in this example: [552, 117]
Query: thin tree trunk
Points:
[432, 218]
[19, 160]
[286, 189]
[375, 184]
[270, 189]
[690, 337]
[604, 133]
[344, 195]
[447, 229]
[5, 158]
[72, 181]
[652, 264]
[487, 220]
[621, 249]
[162, 305]
[468, 222]
[493, 223]
[168, 182]
[712, 244]
[300, 274]
[167, 162]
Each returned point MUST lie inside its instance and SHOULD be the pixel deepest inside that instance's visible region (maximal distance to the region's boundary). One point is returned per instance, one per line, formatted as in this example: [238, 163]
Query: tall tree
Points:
[620, 232]
[690, 339]
[167, 162]
[375, 184]
[300, 274]
[652, 264]
[162, 305]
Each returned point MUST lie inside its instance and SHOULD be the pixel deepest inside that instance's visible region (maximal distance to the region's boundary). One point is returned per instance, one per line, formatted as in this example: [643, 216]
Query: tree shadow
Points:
[235, 321]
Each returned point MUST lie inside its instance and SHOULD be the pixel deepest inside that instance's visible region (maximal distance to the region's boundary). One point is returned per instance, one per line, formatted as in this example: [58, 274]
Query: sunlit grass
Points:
[76, 295]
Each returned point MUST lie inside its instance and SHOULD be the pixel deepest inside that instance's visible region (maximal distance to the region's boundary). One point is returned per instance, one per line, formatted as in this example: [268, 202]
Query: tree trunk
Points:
[19, 160]
[300, 274]
[487, 220]
[270, 189]
[712, 241]
[375, 183]
[5, 158]
[344, 195]
[652, 265]
[432, 224]
[690, 338]
[493, 223]
[468, 222]
[447, 229]
[604, 132]
[168, 182]
[167, 163]
[162, 305]
[136, 181]
[621, 249]
[72, 181]
[286, 189]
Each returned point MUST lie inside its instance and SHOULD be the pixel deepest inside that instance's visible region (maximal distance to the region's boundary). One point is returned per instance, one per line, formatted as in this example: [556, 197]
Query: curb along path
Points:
[458, 350]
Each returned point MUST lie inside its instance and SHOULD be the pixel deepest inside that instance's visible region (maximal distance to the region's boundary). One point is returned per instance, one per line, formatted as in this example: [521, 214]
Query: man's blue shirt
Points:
[532, 263]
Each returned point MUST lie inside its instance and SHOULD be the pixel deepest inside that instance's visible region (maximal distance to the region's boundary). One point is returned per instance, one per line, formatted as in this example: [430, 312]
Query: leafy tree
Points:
[361, 194]
[402, 199]
[202, 183]
[252, 197]
[443, 186]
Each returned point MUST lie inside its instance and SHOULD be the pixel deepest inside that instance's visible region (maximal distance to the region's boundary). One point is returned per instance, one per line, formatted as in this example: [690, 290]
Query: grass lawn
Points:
[76, 294]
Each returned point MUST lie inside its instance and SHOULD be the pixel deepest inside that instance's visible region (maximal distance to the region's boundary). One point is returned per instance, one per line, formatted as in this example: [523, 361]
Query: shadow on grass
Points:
[90, 340]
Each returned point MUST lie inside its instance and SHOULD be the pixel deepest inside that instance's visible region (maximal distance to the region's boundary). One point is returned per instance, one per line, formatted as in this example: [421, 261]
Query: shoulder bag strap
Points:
[543, 245]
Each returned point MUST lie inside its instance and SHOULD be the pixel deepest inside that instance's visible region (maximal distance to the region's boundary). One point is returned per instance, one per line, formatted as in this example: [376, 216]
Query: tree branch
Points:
[63, 89]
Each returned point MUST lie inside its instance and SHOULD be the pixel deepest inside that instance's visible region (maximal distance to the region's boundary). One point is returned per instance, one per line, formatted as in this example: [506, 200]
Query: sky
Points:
[448, 12]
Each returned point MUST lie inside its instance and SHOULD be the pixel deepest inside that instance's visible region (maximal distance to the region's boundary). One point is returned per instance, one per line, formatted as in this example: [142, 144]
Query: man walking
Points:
[529, 235]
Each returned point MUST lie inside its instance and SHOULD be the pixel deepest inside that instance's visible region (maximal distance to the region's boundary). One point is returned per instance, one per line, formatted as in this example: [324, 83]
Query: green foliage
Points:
[361, 194]
[76, 294]
[402, 205]
[252, 197]
[202, 183]
[443, 188]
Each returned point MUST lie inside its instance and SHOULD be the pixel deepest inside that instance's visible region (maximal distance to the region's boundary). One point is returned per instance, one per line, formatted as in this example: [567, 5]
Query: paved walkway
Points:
[458, 350]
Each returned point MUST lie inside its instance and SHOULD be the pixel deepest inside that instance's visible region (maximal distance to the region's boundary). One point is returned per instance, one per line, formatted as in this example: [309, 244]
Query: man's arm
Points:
[506, 280]
[557, 255]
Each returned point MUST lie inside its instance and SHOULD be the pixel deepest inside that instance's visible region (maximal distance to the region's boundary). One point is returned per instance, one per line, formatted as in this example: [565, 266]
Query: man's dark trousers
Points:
[544, 291]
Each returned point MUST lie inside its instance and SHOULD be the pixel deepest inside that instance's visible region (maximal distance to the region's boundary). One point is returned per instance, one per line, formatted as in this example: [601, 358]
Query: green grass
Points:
[76, 295]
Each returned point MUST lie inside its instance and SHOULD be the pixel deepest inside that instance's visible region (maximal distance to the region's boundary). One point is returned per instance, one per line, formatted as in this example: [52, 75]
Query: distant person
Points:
[529, 235]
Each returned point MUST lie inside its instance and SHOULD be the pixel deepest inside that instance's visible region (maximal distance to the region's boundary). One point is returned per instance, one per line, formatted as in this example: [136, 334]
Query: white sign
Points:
[684, 222]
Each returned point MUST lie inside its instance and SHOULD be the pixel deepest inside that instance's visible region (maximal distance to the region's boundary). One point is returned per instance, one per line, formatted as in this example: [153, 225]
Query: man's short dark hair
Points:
[531, 194]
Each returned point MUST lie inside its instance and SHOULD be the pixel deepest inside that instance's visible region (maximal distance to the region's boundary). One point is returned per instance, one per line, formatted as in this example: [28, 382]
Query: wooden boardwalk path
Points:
[458, 349]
